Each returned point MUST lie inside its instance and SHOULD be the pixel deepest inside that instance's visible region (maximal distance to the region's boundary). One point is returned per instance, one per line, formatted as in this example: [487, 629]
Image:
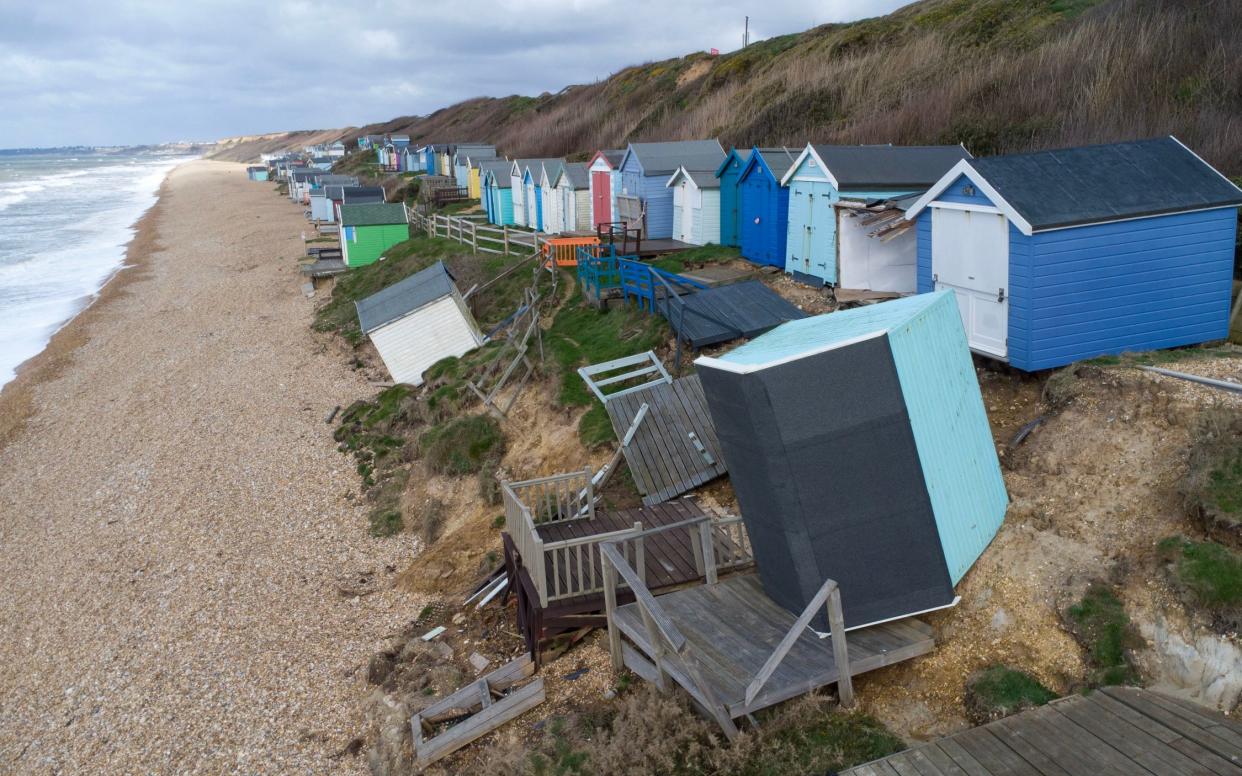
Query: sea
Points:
[65, 219]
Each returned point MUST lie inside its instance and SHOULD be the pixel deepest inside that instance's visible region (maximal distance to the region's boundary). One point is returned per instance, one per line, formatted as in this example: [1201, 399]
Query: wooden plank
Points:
[1051, 726]
[796, 631]
[1197, 715]
[463, 700]
[478, 725]
[993, 754]
[1130, 740]
[1189, 730]
[964, 760]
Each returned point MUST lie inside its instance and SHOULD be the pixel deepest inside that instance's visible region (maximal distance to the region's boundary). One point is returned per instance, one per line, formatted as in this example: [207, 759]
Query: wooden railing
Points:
[545, 500]
[480, 236]
[670, 648]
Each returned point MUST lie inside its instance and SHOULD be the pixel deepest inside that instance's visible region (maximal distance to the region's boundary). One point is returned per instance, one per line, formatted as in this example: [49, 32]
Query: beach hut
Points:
[418, 321]
[573, 192]
[645, 202]
[429, 158]
[876, 245]
[352, 195]
[859, 450]
[1057, 256]
[822, 174]
[256, 173]
[553, 220]
[411, 159]
[369, 230]
[444, 160]
[605, 170]
[728, 172]
[463, 155]
[696, 206]
[320, 205]
[497, 192]
[763, 205]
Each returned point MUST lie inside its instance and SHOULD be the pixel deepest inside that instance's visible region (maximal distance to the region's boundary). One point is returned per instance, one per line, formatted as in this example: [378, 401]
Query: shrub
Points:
[462, 445]
[386, 522]
[999, 691]
[1100, 624]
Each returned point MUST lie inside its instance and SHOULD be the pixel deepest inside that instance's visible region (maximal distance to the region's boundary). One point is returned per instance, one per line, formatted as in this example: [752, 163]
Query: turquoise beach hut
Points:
[728, 173]
[822, 174]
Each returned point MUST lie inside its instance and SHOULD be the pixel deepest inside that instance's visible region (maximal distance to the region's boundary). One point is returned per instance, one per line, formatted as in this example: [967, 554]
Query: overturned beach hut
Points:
[823, 174]
[645, 202]
[417, 322]
[1057, 256]
[860, 451]
[696, 207]
[369, 230]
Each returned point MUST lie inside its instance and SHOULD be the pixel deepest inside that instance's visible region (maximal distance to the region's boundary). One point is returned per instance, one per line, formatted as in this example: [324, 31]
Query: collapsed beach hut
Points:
[369, 230]
[860, 451]
[605, 183]
[876, 245]
[696, 207]
[728, 172]
[763, 205]
[823, 174]
[645, 203]
[418, 321]
[573, 196]
[1057, 256]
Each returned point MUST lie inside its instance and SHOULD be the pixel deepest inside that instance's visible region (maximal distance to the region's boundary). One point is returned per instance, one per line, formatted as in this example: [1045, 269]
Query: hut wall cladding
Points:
[517, 192]
[365, 244]
[763, 213]
[1108, 288]
[656, 197]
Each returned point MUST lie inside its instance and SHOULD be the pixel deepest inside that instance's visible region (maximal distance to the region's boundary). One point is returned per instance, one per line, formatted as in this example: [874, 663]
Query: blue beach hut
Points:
[763, 205]
[1057, 256]
[497, 191]
[823, 174]
[728, 172]
[875, 412]
[646, 168]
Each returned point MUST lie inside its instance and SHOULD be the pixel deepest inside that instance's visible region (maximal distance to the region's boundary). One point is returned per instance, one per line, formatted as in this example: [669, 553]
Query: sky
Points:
[96, 72]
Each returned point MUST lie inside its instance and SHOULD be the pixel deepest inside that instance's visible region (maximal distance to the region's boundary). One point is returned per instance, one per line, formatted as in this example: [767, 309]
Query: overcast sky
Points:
[96, 72]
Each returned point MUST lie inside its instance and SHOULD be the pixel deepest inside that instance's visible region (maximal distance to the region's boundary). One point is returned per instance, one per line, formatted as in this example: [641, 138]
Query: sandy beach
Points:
[175, 520]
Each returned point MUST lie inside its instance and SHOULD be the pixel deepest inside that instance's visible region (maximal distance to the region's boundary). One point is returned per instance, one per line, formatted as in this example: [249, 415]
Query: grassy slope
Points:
[997, 75]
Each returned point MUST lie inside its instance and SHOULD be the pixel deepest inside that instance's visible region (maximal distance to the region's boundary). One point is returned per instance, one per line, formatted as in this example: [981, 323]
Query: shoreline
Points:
[18, 396]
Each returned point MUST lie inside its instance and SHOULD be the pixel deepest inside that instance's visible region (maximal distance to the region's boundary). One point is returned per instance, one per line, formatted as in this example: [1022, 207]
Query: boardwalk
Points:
[675, 448]
[1120, 730]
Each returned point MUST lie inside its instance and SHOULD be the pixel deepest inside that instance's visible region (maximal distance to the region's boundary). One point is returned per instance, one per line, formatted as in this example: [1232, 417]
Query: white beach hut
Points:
[696, 206]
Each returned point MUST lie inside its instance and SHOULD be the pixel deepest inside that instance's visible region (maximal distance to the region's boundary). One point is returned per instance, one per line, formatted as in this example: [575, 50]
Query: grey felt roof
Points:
[576, 174]
[357, 195]
[553, 168]
[372, 214]
[1074, 186]
[404, 297]
[703, 179]
[613, 155]
[889, 166]
[532, 163]
[500, 167]
[779, 160]
[665, 158]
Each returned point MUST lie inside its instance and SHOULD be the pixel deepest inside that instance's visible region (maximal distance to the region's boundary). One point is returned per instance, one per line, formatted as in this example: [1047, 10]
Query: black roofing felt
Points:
[889, 166]
[1075, 186]
[829, 482]
[404, 297]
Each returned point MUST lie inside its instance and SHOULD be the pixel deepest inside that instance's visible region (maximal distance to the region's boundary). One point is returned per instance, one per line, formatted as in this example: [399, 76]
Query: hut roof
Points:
[1090, 184]
[404, 297]
[885, 166]
[665, 158]
[373, 214]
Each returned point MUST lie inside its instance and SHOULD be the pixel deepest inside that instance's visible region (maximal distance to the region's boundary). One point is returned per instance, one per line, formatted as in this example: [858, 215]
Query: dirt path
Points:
[175, 521]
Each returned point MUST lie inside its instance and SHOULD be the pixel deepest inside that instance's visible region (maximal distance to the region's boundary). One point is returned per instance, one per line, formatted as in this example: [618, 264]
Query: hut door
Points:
[601, 191]
[970, 255]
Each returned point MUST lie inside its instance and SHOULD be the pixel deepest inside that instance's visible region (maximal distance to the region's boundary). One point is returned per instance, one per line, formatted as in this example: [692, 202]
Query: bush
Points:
[463, 445]
[999, 691]
[1100, 624]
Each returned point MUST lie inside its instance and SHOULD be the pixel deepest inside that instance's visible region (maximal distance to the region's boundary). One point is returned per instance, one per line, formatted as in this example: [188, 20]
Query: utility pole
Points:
[746, 34]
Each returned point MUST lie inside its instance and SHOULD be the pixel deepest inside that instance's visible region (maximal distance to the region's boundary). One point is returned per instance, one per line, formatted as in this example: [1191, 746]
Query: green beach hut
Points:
[369, 230]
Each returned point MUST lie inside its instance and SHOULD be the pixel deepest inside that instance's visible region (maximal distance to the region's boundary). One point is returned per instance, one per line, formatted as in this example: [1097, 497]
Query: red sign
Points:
[715, 52]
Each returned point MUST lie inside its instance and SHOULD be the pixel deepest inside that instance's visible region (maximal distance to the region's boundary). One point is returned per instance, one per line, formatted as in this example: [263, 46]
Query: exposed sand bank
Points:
[174, 517]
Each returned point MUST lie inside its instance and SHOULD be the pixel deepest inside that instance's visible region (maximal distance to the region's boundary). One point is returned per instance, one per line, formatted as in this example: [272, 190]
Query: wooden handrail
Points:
[830, 593]
[643, 596]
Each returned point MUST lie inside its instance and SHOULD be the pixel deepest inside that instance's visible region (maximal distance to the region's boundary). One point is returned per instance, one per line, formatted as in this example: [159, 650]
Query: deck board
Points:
[662, 457]
[1118, 730]
[732, 627]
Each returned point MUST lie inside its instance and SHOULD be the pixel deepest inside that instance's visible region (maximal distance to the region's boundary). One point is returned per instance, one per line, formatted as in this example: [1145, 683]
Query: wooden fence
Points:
[482, 237]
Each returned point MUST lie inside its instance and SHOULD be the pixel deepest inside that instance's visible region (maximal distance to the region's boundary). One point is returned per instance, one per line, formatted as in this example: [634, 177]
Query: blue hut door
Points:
[970, 255]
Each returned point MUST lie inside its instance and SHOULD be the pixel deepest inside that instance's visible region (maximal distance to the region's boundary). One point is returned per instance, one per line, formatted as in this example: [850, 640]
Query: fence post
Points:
[474, 237]
[840, 653]
[505, 230]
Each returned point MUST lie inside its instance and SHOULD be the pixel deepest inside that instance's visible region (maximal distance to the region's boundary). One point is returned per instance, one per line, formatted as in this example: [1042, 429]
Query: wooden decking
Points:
[724, 313]
[675, 447]
[732, 628]
[1118, 731]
